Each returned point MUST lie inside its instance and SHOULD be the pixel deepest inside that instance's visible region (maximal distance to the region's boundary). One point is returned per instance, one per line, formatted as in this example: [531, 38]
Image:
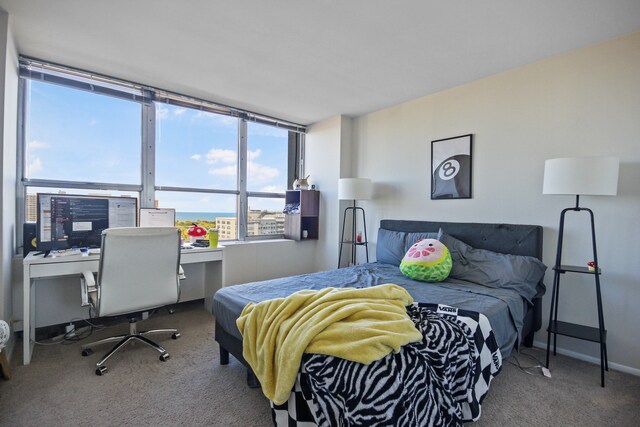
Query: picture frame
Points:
[451, 167]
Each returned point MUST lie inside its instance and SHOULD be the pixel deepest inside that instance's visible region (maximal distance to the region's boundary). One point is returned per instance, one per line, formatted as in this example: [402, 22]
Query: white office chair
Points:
[139, 270]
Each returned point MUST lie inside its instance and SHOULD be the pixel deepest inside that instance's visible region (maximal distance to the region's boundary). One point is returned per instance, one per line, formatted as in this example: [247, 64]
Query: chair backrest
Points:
[138, 269]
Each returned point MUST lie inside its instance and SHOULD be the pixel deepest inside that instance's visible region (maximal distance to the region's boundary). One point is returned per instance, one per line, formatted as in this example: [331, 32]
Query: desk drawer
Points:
[204, 256]
[63, 268]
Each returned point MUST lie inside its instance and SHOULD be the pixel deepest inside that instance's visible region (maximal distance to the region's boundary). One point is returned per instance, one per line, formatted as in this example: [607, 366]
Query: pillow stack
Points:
[495, 270]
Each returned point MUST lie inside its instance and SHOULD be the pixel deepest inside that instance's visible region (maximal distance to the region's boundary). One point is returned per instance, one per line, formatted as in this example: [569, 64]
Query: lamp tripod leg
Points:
[353, 235]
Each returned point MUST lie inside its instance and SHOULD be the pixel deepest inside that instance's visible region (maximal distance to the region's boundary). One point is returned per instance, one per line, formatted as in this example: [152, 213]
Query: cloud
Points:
[216, 155]
[162, 113]
[196, 156]
[168, 113]
[256, 171]
[36, 145]
[251, 155]
[272, 189]
[34, 166]
[226, 171]
[203, 115]
[261, 172]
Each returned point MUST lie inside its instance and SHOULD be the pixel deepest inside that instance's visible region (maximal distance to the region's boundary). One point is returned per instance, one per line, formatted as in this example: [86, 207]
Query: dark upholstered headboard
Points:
[513, 239]
[504, 238]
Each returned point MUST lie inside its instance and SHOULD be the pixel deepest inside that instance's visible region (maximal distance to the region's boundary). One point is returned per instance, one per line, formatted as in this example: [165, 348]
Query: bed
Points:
[514, 315]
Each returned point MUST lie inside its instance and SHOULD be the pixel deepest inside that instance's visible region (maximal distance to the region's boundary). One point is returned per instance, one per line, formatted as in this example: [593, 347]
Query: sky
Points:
[79, 136]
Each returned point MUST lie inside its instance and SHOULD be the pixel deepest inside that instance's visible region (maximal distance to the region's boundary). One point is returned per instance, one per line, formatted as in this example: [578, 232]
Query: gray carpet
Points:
[192, 388]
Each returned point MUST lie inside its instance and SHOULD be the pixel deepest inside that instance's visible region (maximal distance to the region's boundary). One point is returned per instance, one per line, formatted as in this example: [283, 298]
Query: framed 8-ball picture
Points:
[451, 168]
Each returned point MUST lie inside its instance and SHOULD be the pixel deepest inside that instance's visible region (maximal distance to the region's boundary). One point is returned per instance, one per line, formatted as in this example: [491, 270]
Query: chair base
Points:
[123, 340]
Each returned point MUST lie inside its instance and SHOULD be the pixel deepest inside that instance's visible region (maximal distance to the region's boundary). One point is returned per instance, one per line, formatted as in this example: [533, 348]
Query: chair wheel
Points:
[164, 357]
[101, 370]
[175, 335]
[87, 352]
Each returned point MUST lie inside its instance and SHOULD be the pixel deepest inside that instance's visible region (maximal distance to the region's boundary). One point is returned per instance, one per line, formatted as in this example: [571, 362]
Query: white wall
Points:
[8, 123]
[267, 259]
[583, 103]
[327, 158]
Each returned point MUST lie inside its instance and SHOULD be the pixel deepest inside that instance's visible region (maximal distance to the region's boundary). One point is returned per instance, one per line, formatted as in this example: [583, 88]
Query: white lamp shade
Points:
[354, 189]
[592, 176]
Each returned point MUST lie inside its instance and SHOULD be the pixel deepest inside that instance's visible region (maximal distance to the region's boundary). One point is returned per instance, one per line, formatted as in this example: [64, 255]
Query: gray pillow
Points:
[492, 269]
[390, 246]
[414, 237]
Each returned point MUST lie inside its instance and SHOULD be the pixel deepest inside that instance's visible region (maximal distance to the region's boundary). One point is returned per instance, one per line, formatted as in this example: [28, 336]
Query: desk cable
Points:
[77, 334]
[83, 333]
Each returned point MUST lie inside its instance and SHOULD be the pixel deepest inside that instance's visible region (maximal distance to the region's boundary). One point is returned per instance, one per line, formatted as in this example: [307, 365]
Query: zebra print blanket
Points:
[440, 381]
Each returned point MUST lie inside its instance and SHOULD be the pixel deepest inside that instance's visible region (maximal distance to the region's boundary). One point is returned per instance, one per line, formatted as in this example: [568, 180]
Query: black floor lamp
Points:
[576, 176]
[354, 189]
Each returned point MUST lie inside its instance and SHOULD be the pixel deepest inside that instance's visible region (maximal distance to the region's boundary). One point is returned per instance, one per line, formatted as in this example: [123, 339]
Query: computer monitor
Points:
[68, 220]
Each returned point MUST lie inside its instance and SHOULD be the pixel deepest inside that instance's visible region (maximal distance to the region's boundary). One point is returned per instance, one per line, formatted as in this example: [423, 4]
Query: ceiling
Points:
[305, 61]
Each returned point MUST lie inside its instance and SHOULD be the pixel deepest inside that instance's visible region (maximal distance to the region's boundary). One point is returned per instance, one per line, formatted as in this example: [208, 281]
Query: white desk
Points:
[37, 267]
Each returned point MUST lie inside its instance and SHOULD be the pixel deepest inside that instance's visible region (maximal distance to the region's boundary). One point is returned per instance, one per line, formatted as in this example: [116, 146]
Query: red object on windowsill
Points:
[591, 266]
[196, 231]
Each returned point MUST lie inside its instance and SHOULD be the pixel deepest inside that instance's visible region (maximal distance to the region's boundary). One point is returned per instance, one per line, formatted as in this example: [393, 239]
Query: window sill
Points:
[260, 241]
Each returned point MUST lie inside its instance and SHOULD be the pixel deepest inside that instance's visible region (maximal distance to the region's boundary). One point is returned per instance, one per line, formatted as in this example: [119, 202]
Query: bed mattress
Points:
[504, 308]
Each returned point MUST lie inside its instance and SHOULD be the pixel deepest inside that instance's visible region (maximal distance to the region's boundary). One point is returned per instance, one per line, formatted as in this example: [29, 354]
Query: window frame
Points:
[148, 97]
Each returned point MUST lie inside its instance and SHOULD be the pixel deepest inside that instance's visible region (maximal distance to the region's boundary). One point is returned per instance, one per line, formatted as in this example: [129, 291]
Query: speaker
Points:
[28, 237]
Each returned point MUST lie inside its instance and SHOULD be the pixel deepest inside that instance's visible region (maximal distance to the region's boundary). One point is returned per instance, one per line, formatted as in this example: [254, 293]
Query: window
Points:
[195, 149]
[267, 162]
[204, 209]
[83, 133]
[265, 216]
[267, 149]
[74, 135]
[197, 154]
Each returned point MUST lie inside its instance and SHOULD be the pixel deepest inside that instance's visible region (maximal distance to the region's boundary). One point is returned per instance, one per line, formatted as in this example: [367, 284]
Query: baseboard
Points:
[591, 359]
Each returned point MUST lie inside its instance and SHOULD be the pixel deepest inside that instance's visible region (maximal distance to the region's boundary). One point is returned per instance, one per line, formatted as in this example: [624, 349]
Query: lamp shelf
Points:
[349, 242]
[576, 269]
[573, 330]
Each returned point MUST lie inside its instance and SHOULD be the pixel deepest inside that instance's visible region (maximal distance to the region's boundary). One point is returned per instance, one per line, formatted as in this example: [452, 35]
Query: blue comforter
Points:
[504, 308]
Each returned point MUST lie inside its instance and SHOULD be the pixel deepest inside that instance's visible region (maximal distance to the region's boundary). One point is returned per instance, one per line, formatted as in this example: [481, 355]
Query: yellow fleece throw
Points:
[362, 325]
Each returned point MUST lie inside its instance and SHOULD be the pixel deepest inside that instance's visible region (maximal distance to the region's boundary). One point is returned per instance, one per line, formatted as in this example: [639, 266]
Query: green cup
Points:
[213, 237]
